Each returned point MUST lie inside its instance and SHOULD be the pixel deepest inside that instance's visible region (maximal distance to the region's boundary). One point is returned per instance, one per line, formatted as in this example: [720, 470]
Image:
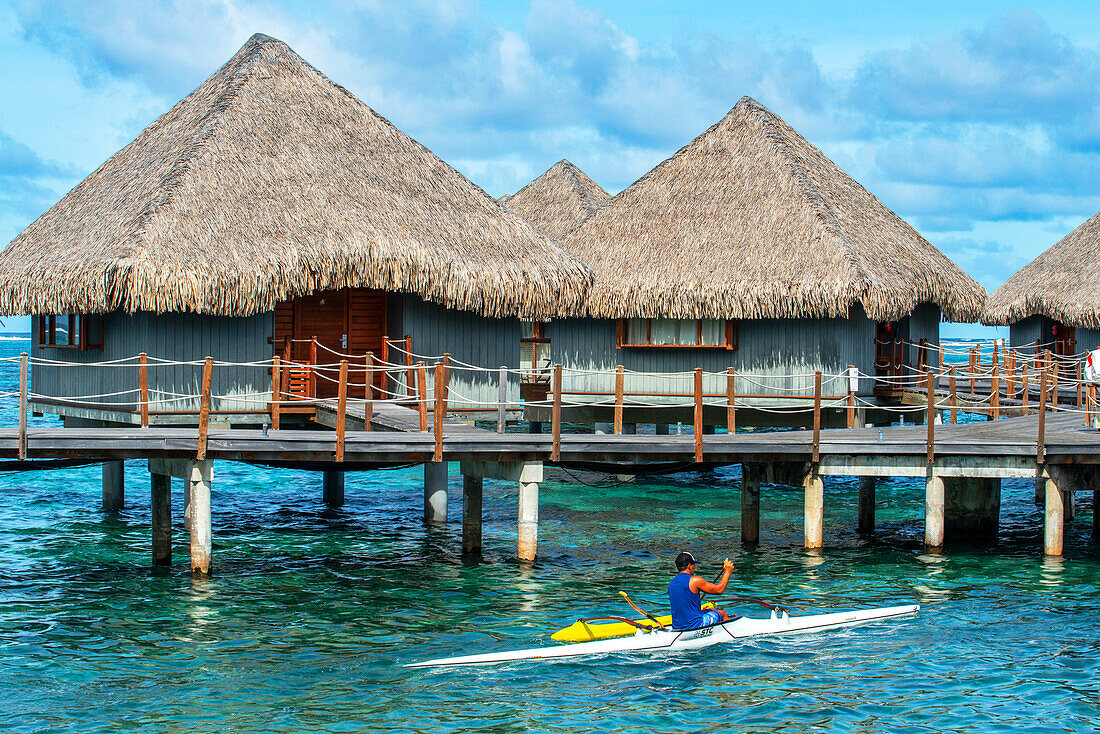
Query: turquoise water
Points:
[311, 612]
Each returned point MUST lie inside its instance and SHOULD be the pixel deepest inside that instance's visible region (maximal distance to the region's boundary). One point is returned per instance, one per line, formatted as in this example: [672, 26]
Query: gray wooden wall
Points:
[176, 337]
[467, 337]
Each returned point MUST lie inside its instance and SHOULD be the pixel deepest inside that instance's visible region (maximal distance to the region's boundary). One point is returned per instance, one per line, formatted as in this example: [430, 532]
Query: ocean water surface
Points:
[312, 612]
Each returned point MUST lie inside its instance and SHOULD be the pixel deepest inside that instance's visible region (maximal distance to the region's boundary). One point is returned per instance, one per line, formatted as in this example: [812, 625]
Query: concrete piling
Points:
[934, 521]
[528, 522]
[201, 476]
[814, 523]
[750, 504]
[435, 492]
[867, 487]
[161, 513]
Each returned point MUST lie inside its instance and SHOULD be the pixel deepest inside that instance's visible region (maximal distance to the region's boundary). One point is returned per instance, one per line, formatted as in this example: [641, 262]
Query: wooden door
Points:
[322, 315]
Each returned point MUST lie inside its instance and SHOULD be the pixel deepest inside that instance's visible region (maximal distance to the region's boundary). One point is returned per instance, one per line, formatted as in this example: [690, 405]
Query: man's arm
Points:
[700, 584]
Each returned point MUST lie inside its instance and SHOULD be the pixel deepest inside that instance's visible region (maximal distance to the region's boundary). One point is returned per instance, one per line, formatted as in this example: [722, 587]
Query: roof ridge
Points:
[239, 74]
[775, 133]
[577, 180]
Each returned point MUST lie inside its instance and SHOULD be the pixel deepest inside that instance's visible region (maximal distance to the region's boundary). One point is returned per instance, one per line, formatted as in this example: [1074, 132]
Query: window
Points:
[71, 331]
[690, 333]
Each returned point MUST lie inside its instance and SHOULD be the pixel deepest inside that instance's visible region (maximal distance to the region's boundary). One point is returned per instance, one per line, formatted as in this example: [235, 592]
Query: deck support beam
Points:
[114, 486]
[750, 503]
[471, 514]
[813, 489]
[160, 502]
[934, 501]
[867, 505]
[435, 492]
[332, 488]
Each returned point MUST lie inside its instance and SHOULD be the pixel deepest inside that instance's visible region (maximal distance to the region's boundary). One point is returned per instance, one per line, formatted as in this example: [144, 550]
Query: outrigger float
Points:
[620, 635]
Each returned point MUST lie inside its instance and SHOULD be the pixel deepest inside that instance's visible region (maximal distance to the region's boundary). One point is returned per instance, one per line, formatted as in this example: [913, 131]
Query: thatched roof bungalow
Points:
[558, 200]
[1054, 301]
[273, 205]
[754, 248]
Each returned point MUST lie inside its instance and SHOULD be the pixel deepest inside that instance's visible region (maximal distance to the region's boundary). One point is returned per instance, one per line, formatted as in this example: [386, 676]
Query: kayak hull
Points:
[660, 641]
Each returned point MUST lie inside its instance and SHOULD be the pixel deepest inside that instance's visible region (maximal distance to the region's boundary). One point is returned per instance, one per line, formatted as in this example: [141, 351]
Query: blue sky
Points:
[977, 122]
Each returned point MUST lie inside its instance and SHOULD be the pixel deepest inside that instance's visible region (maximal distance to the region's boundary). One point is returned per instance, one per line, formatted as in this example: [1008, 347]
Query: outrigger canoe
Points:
[662, 640]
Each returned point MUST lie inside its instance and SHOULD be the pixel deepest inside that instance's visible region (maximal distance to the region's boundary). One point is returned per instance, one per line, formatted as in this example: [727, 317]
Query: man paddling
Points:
[683, 594]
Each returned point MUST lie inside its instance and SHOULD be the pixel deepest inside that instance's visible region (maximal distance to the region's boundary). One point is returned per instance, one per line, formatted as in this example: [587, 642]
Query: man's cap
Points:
[684, 560]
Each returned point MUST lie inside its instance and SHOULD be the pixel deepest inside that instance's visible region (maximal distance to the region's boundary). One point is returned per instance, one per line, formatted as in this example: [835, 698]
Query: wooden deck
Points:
[1067, 441]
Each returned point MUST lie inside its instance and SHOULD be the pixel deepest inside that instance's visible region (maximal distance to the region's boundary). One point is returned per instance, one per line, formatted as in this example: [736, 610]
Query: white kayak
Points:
[670, 640]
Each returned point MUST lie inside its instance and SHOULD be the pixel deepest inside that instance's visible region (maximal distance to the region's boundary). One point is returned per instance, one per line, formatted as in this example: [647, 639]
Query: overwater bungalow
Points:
[268, 208]
[1053, 302]
[558, 200]
[750, 249]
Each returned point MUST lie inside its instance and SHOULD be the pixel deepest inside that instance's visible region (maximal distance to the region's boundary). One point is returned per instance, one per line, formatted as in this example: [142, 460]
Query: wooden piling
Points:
[23, 401]
[731, 397]
[817, 418]
[697, 422]
[341, 409]
[750, 503]
[332, 488]
[204, 407]
[867, 505]
[143, 389]
[619, 384]
[930, 387]
[502, 398]
[954, 397]
[555, 416]
[276, 391]
[422, 394]
[160, 506]
[471, 514]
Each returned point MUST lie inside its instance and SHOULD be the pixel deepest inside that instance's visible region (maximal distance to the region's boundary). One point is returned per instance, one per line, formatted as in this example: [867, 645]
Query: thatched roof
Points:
[751, 221]
[271, 181]
[1061, 283]
[558, 200]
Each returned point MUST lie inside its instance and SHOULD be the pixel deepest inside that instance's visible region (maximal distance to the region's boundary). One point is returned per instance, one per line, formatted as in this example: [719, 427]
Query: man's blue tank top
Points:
[686, 613]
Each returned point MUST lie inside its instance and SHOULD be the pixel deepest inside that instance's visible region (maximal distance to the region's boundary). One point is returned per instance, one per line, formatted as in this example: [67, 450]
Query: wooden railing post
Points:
[1077, 378]
[422, 394]
[441, 380]
[384, 360]
[1040, 446]
[24, 394]
[204, 407]
[1010, 377]
[276, 390]
[1025, 389]
[143, 388]
[1053, 368]
[555, 416]
[954, 408]
[921, 355]
[995, 393]
[502, 398]
[408, 366]
[313, 367]
[697, 422]
[851, 397]
[973, 367]
[620, 380]
[731, 404]
[930, 387]
[817, 417]
[368, 381]
[341, 409]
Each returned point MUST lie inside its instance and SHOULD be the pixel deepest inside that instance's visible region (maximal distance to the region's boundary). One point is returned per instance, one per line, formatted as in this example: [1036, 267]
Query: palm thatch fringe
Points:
[270, 181]
[1061, 283]
[558, 200]
[750, 220]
